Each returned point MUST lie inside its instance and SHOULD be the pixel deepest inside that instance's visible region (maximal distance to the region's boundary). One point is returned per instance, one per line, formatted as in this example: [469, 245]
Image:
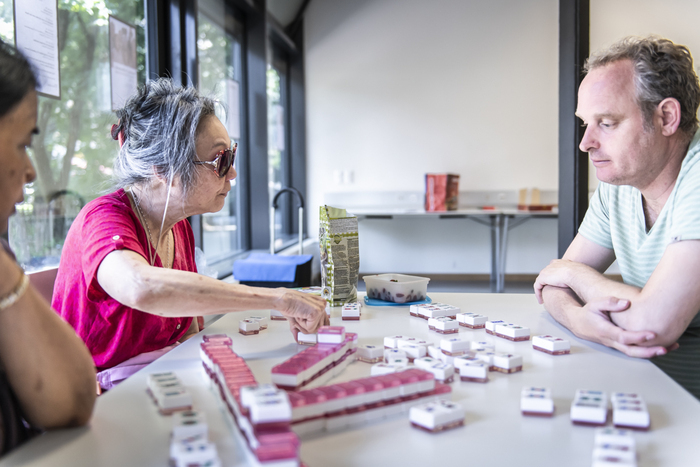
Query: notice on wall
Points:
[36, 36]
[233, 120]
[122, 61]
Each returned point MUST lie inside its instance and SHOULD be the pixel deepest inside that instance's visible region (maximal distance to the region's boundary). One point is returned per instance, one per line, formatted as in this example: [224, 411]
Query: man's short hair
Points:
[662, 69]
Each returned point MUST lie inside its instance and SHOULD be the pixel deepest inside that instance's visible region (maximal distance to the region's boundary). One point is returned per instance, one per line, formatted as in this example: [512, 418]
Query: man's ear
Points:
[669, 114]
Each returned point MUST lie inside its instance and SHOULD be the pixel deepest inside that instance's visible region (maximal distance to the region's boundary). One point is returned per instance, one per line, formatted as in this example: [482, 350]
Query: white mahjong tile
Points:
[616, 436]
[589, 407]
[491, 325]
[482, 345]
[399, 362]
[550, 344]
[306, 338]
[507, 362]
[442, 371]
[200, 452]
[536, 401]
[629, 410]
[173, 398]
[393, 353]
[370, 352]
[603, 451]
[248, 325]
[435, 416]
[413, 351]
[189, 423]
[512, 331]
[434, 351]
[391, 342]
[425, 362]
[455, 345]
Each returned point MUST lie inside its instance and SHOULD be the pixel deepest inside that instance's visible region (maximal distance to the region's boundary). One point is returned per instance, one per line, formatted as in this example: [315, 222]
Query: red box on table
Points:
[441, 192]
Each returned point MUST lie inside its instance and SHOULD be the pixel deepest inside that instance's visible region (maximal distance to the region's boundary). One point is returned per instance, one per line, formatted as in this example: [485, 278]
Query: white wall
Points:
[398, 88]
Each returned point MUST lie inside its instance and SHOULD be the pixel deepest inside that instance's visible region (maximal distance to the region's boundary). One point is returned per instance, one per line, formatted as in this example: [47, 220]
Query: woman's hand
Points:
[305, 312]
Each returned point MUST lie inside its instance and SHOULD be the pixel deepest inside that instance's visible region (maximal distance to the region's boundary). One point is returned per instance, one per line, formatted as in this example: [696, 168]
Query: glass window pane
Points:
[277, 151]
[74, 152]
[220, 75]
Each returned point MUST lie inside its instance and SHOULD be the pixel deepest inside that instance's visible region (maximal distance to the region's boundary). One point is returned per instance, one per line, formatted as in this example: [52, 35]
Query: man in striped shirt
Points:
[638, 103]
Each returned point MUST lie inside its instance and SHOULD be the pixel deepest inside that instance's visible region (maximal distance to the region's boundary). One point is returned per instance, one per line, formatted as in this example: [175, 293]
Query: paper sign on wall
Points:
[36, 36]
[122, 61]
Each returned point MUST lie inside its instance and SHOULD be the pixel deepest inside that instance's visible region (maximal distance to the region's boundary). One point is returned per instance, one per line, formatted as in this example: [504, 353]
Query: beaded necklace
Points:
[142, 218]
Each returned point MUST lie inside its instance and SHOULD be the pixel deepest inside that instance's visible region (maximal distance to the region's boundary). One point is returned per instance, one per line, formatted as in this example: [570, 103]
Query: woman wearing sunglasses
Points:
[127, 281]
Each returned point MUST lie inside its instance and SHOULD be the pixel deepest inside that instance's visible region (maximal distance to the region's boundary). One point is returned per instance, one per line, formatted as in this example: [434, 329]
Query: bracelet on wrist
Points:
[10, 299]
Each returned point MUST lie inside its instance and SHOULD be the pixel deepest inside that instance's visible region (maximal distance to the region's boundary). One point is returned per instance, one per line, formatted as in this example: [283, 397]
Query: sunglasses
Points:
[223, 162]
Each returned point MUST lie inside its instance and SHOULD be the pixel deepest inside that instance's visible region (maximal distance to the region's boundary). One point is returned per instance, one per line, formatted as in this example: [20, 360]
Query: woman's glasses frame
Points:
[223, 162]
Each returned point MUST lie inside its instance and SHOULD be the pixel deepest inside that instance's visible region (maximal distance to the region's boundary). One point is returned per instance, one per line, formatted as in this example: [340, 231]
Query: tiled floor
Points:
[442, 285]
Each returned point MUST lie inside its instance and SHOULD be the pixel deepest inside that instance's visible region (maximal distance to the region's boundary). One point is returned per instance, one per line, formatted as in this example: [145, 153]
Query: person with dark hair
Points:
[126, 281]
[639, 103]
[47, 378]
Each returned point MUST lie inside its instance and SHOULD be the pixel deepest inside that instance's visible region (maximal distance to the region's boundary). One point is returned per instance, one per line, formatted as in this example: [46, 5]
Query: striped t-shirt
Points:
[615, 220]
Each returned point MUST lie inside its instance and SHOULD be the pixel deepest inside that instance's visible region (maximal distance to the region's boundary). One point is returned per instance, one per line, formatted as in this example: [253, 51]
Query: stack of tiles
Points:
[507, 362]
[589, 408]
[370, 353]
[189, 444]
[249, 327]
[306, 339]
[437, 416]
[434, 310]
[169, 394]
[491, 326]
[443, 325]
[512, 332]
[455, 346]
[265, 416]
[614, 448]
[351, 311]
[319, 363]
[363, 400]
[630, 411]
[551, 345]
[536, 402]
[471, 369]
[472, 320]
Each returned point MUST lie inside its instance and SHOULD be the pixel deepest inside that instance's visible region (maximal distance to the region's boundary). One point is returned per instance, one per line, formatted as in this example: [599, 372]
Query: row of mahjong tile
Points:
[332, 400]
[230, 375]
[590, 407]
[189, 444]
[252, 325]
[459, 345]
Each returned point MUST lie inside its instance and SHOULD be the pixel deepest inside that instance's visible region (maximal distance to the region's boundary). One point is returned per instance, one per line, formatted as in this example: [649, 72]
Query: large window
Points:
[219, 49]
[73, 154]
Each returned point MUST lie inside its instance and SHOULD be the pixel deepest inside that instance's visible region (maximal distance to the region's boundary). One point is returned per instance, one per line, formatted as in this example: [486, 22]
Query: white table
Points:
[499, 220]
[127, 431]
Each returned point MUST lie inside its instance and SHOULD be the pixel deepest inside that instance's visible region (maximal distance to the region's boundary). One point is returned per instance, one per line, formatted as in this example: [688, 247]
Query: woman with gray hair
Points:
[127, 281]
